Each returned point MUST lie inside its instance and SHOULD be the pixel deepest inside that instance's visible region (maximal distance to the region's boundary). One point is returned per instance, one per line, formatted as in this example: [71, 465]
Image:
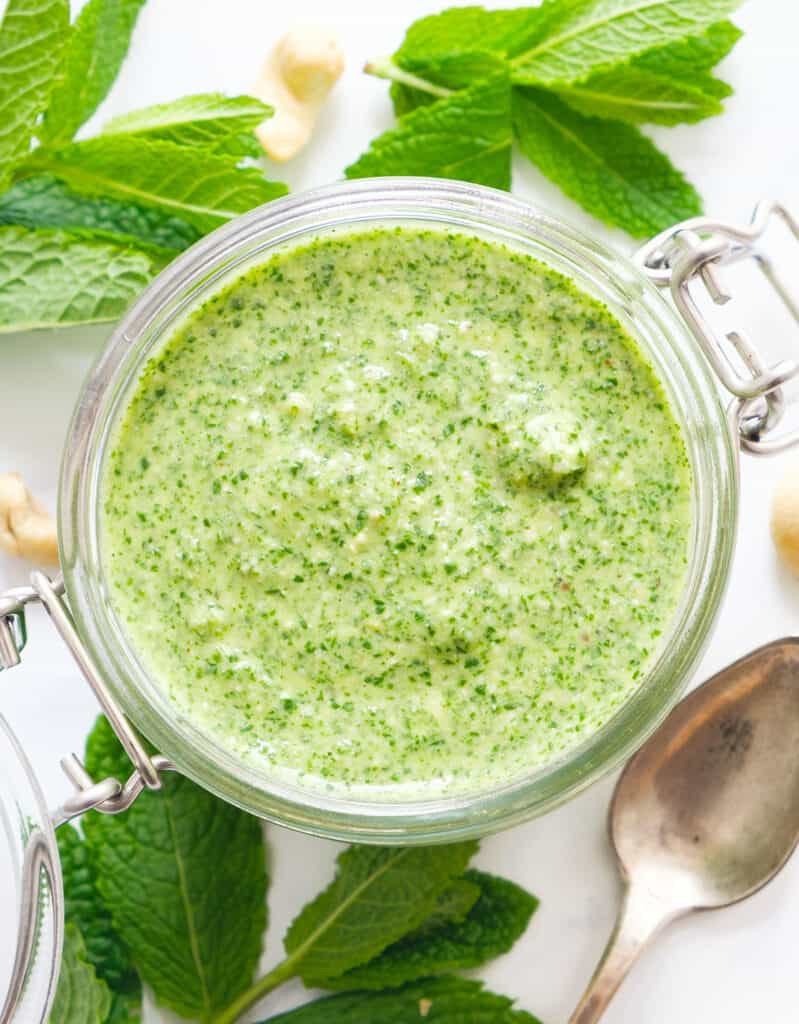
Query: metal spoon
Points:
[707, 812]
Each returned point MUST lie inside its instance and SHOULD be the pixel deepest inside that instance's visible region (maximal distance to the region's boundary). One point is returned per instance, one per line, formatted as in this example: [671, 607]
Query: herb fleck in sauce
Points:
[398, 508]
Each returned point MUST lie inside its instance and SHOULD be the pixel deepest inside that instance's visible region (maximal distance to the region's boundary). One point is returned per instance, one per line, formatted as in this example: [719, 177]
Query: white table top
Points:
[737, 966]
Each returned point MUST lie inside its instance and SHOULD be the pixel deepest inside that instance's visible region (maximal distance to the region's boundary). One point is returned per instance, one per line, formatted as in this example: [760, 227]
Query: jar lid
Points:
[31, 891]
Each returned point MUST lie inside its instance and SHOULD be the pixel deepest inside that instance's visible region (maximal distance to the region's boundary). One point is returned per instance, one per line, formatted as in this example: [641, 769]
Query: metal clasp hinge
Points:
[694, 251]
[110, 796]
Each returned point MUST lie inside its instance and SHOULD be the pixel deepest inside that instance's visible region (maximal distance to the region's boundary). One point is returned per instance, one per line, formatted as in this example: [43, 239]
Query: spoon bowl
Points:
[707, 812]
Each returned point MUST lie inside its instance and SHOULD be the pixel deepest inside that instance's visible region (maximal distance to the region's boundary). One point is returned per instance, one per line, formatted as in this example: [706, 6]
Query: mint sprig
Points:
[172, 893]
[130, 198]
[584, 74]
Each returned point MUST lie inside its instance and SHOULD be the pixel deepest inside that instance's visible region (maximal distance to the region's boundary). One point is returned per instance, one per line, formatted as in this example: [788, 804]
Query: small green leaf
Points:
[435, 1001]
[668, 85]
[84, 907]
[609, 167]
[453, 904]
[211, 121]
[45, 202]
[204, 189]
[52, 278]
[32, 35]
[585, 36]
[126, 1008]
[377, 896]
[467, 30]
[184, 878]
[98, 44]
[80, 998]
[467, 136]
[495, 922]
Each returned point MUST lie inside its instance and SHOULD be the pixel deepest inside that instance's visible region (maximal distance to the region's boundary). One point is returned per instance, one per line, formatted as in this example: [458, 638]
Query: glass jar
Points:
[664, 339]
[30, 891]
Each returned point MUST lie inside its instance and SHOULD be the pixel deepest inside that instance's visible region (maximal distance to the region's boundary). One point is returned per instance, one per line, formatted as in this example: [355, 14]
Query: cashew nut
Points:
[26, 529]
[296, 79]
[785, 518]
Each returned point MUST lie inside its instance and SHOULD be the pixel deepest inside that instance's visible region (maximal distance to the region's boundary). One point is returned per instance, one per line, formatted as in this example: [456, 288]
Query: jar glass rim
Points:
[470, 209]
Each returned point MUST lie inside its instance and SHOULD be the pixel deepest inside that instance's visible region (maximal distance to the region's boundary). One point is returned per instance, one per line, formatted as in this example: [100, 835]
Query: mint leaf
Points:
[435, 1001]
[84, 907]
[211, 121]
[204, 189]
[80, 998]
[125, 1008]
[52, 278]
[32, 35]
[687, 56]
[457, 48]
[467, 30]
[631, 93]
[98, 44]
[585, 36]
[608, 167]
[45, 202]
[166, 869]
[377, 896]
[500, 915]
[667, 85]
[467, 135]
[453, 904]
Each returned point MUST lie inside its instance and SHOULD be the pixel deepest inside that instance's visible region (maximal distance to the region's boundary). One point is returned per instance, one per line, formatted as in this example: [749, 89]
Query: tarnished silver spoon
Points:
[707, 812]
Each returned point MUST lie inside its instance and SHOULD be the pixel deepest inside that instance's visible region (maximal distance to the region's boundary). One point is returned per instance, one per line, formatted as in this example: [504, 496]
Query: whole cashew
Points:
[26, 529]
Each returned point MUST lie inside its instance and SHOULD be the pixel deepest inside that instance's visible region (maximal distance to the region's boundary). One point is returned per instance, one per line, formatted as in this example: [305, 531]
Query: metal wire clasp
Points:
[110, 796]
[694, 250]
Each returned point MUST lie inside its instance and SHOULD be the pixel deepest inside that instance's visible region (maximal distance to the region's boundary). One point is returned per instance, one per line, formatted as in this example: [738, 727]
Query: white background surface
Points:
[738, 966]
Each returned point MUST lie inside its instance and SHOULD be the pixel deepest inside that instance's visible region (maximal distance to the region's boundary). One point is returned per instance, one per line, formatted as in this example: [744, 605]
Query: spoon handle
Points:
[640, 918]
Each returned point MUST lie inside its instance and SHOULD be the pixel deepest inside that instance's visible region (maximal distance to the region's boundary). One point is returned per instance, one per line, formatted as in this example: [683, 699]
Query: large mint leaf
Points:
[608, 167]
[221, 124]
[500, 915]
[584, 37]
[97, 46]
[52, 278]
[202, 188]
[32, 35]
[377, 896]
[667, 85]
[435, 1001]
[45, 202]
[466, 136]
[85, 908]
[183, 875]
[80, 998]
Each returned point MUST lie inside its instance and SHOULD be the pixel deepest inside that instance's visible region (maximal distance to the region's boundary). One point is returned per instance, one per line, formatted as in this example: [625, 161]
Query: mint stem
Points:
[384, 67]
[283, 972]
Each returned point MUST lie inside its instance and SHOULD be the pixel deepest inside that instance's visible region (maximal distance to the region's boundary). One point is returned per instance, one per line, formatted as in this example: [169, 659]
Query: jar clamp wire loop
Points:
[695, 251]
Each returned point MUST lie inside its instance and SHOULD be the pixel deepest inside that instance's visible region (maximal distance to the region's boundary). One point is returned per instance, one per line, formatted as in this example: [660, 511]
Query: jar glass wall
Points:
[30, 892]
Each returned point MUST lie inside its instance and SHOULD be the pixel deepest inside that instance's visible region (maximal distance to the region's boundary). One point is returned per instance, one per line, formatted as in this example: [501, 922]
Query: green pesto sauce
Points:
[398, 509]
